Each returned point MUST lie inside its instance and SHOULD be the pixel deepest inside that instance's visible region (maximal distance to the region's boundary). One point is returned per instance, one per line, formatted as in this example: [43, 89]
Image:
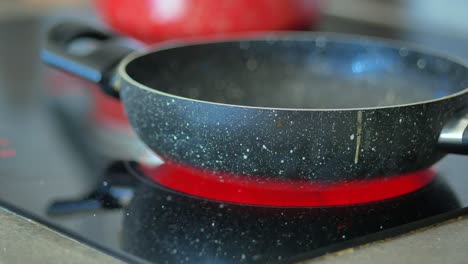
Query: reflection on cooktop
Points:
[169, 227]
[163, 225]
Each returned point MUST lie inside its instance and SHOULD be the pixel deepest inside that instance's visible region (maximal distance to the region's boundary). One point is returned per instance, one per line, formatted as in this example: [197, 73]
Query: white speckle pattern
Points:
[403, 52]
[421, 64]
[311, 144]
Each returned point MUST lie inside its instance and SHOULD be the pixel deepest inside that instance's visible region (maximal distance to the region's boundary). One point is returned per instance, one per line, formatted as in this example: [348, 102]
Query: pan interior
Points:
[318, 72]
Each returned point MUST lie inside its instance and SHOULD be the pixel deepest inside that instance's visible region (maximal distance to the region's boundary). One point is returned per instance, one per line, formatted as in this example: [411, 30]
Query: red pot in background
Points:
[153, 21]
[156, 20]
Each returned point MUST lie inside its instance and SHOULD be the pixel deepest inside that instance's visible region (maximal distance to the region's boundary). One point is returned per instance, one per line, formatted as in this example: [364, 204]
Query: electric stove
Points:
[62, 168]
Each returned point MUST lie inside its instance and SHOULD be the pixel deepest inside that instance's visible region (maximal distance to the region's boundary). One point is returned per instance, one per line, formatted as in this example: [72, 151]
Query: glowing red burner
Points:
[286, 193]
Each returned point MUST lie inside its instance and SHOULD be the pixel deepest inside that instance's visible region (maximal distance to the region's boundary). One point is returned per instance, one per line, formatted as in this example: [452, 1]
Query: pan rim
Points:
[285, 35]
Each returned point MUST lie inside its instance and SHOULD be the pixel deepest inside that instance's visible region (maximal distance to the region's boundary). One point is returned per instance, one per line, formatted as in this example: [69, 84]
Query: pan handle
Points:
[96, 65]
[454, 135]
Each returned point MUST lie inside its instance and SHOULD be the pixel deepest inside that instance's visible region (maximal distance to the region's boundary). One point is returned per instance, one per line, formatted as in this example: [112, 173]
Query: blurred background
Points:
[435, 23]
[56, 131]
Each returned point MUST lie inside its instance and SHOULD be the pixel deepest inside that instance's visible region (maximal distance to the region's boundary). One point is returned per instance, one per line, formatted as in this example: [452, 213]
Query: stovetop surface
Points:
[161, 225]
[48, 157]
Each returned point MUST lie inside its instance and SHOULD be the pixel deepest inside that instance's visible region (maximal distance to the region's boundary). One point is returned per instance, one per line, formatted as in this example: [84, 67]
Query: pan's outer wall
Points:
[315, 145]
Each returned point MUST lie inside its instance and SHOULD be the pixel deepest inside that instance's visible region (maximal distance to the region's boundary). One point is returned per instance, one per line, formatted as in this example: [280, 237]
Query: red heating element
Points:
[285, 193]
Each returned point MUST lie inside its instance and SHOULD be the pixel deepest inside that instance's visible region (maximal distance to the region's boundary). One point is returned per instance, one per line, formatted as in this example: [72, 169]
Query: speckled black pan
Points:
[286, 105]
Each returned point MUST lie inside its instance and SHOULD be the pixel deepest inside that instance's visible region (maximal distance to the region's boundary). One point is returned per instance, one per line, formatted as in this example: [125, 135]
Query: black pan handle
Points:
[114, 191]
[97, 65]
[67, 207]
[454, 135]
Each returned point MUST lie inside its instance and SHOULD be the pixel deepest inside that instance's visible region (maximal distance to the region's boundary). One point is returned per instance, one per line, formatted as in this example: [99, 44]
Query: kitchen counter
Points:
[25, 241]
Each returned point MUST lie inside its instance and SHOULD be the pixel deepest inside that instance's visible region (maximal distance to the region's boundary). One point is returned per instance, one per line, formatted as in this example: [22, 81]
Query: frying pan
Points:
[315, 106]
